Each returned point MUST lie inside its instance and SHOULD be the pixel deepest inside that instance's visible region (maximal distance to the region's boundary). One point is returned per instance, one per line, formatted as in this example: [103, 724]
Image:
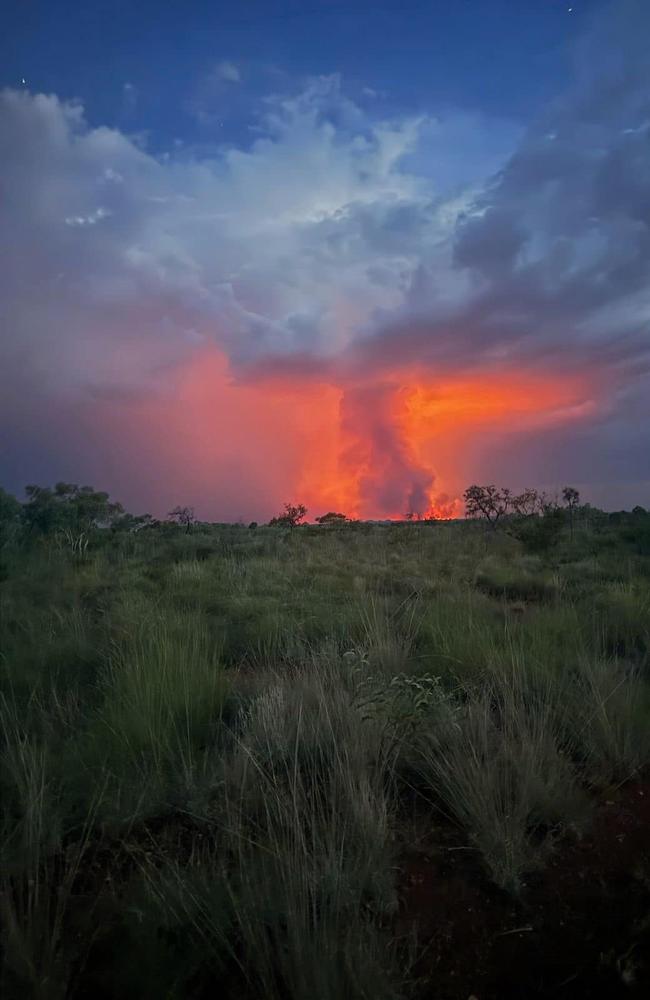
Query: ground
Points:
[580, 929]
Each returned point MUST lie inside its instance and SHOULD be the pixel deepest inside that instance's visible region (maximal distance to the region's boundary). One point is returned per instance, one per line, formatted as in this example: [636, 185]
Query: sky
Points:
[357, 255]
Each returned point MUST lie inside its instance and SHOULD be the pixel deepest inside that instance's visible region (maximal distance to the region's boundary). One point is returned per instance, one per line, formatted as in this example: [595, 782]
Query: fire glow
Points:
[404, 444]
[376, 447]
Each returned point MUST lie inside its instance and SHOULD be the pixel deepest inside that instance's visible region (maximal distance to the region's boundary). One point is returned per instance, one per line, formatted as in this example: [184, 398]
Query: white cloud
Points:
[272, 248]
[88, 220]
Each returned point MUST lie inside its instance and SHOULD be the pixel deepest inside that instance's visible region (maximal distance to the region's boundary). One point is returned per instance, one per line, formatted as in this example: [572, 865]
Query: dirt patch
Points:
[580, 929]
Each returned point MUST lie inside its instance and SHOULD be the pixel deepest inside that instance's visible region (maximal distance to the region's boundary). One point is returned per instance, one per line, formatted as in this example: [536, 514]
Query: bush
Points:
[501, 771]
[513, 583]
[540, 534]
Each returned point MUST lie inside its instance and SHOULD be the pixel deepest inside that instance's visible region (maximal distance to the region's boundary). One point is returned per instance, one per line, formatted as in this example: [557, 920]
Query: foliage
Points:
[571, 497]
[291, 516]
[528, 503]
[540, 534]
[10, 508]
[331, 518]
[68, 507]
[502, 772]
[183, 516]
[488, 502]
[134, 522]
[10, 511]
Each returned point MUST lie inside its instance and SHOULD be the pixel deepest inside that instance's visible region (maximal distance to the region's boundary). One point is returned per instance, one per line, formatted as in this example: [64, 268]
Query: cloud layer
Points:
[360, 257]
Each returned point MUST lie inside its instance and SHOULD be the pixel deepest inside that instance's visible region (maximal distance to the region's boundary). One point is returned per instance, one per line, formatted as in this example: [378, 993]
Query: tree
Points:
[10, 511]
[528, 504]
[132, 523]
[183, 516]
[68, 508]
[488, 502]
[571, 498]
[91, 508]
[539, 534]
[331, 518]
[41, 513]
[291, 516]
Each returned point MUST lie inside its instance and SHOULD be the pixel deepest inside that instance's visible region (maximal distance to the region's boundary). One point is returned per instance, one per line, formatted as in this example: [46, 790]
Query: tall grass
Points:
[291, 891]
[163, 695]
[502, 770]
[39, 867]
[214, 736]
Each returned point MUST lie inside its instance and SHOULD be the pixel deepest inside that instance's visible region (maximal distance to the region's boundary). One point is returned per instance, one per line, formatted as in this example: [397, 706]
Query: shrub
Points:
[513, 583]
[501, 772]
[540, 534]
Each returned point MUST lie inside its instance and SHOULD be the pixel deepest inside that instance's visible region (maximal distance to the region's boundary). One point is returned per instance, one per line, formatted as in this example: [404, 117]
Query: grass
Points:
[210, 741]
[502, 768]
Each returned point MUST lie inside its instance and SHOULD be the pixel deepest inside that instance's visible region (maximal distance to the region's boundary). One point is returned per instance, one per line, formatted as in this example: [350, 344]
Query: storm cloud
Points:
[341, 246]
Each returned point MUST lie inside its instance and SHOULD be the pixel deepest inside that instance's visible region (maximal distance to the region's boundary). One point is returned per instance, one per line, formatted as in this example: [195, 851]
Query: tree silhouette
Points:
[183, 516]
[571, 498]
[68, 507]
[331, 518]
[488, 502]
[291, 516]
[528, 503]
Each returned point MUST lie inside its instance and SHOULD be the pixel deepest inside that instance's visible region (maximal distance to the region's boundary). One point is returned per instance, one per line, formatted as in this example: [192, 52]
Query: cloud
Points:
[228, 71]
[87, 220]
[343, 247]
[269, 250]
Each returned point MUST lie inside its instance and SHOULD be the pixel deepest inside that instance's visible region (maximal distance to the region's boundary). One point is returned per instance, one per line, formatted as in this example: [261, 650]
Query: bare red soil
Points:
[579, 929]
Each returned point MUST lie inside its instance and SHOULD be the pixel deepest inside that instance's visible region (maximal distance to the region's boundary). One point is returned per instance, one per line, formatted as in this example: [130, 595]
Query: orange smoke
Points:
[374, 447]
[430, 427]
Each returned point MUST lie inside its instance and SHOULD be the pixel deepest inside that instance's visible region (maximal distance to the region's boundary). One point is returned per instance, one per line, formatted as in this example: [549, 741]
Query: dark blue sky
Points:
[499, 57]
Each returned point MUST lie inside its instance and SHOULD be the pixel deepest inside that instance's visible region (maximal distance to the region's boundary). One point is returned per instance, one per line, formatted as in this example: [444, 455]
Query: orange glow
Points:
[372, 448]
[434, 423]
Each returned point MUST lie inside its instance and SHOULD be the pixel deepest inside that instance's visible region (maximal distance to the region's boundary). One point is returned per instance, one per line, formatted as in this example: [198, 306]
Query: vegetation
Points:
[219, 744]
[183, 516]
[291, 516]
[331, 518]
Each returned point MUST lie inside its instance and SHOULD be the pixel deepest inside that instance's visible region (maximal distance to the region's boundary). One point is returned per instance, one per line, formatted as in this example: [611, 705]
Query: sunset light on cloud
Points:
[299, 287]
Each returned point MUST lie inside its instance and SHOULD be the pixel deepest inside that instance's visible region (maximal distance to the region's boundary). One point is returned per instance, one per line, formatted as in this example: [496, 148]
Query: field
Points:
[363, 761]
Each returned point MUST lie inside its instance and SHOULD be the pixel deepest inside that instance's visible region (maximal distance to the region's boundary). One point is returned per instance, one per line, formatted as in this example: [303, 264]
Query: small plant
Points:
[404, 702]
[75, 542]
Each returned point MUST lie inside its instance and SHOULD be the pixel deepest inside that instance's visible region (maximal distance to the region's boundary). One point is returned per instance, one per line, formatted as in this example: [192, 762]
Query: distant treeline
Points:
[73, 513]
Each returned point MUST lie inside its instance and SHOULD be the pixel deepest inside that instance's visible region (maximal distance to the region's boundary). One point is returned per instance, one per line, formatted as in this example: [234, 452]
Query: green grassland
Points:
[215, 742]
